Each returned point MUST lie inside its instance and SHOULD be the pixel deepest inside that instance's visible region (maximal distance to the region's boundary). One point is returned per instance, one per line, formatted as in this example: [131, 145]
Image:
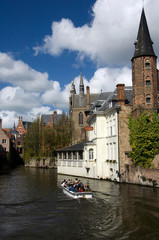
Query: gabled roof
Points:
[143, 44]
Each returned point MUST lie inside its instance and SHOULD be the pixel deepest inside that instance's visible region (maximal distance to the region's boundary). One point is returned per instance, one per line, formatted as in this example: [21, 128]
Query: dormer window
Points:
[110, 104]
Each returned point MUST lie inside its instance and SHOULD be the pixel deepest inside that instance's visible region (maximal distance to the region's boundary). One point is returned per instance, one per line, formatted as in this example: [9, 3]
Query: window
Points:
[74, 155]
[111, 151]
[64, 155]
[148, 83]
[147, 63]
[107, 129]
[148, 100]
[80, 118]
[91, 154]
[114, 126]
[69, 155]
[60, 155]
[4, 141]
[110, 129]
[80, 154]
[114, 151]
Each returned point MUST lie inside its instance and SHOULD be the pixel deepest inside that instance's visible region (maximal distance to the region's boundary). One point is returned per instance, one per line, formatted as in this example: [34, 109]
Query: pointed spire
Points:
[81, 86]
[143, 44]
[14, 126]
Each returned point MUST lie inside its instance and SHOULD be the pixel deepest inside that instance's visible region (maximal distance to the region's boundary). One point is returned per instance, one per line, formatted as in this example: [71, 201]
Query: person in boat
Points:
[72, 188]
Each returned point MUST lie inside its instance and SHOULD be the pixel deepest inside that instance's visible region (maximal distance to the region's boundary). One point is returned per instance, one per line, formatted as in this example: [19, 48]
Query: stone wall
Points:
[79, 134]
[139, 175]
[41, 163]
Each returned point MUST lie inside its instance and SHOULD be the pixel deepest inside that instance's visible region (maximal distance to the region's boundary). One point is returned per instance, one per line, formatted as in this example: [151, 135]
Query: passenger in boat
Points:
[88, 188]
[72, 188]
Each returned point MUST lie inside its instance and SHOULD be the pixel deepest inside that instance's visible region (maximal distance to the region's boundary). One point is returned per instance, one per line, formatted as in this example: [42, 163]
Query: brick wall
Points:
[141, 74]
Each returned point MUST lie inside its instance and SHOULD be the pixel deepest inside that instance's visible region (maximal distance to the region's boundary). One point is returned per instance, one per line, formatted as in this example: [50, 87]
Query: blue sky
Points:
[25, 23]
[46, 44]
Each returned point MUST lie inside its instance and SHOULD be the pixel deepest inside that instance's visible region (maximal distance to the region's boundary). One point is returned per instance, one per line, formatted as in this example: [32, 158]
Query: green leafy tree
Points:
[144, 138]
[32, 140]
[44, 140]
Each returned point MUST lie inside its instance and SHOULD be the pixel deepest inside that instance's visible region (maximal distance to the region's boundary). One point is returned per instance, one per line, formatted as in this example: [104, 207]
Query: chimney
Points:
[0, 123]
[121, 94]
[88, 97]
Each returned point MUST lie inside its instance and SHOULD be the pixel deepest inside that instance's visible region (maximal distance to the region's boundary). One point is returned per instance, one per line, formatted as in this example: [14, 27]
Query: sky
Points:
[45, 44]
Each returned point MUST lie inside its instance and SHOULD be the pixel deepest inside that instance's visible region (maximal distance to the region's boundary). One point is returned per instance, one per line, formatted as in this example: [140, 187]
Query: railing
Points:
[70, 162]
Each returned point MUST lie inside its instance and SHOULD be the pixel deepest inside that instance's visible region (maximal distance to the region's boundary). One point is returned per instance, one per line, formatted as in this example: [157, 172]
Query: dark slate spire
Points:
[143, 44]
[81, 86]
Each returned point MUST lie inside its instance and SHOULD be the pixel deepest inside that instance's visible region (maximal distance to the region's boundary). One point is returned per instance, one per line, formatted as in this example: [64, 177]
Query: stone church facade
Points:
[78, 104]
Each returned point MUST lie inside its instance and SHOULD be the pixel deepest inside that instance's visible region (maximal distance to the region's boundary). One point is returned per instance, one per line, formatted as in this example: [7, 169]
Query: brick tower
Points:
[144, 71]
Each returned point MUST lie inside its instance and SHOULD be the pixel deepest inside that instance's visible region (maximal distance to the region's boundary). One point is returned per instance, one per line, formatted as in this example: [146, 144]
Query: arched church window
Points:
[91, 154]
[80, 118]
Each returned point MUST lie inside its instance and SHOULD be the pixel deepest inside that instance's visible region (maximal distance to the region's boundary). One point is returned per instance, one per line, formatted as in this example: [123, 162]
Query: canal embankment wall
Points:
[47, 162]
[139, 175]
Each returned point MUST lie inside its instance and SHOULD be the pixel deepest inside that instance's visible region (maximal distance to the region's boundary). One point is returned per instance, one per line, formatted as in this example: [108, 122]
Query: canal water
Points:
[34, 207]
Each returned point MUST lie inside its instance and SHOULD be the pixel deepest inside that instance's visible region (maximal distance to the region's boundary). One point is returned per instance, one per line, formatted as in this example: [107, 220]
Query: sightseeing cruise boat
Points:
[76, 189]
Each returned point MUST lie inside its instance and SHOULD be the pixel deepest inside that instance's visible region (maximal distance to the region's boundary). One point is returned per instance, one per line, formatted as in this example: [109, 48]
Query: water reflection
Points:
[33, 206]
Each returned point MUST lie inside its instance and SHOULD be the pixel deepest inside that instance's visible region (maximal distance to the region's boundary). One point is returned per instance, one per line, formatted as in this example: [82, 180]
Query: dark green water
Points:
[34, 207]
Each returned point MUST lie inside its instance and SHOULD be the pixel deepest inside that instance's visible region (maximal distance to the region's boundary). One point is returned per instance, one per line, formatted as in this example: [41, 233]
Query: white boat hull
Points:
[77, 194]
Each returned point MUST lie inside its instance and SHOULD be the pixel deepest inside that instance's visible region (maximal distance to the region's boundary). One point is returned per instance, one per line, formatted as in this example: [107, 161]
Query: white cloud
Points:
[56, 96]
[14, 98]
[20, 74]
[105, 79]
[108, 38]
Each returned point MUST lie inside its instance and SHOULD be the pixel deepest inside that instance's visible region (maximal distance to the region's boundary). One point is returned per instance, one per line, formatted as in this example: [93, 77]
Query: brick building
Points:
[23, 126]
[144, 71]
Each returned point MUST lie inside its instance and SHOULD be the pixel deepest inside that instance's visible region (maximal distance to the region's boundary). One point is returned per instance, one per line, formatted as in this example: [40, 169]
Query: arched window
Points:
[148, 99]
[147, 63]
[80, 118]
[91, 154]
[148, 81]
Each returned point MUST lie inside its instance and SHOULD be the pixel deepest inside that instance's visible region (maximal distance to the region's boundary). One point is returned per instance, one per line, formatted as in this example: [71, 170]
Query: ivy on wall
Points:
[144, 138]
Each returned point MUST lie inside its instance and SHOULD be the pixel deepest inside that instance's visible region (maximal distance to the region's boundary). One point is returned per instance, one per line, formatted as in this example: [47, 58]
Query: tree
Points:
[32, 140]
[144, 138]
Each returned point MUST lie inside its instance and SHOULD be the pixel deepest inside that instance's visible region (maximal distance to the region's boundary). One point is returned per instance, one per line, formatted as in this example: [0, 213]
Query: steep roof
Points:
[46, 118]
[102, 104]
[143, 44]
[81, 101]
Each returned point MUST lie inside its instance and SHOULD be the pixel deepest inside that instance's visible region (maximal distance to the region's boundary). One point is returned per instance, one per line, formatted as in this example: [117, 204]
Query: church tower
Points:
[144, 70]
[81, 86]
